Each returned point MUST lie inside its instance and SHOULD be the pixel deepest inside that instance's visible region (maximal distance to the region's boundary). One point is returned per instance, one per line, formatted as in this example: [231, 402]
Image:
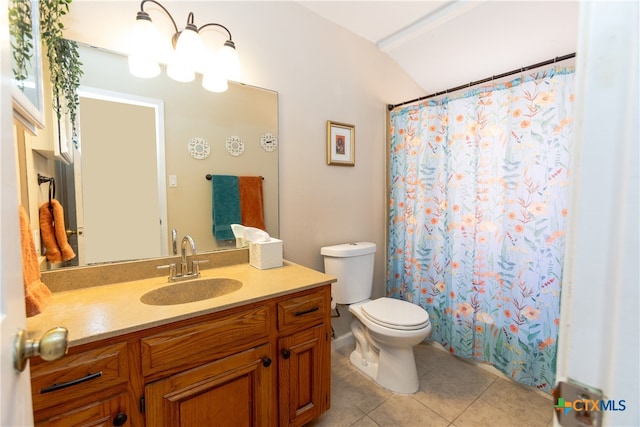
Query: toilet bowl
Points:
[385, 329]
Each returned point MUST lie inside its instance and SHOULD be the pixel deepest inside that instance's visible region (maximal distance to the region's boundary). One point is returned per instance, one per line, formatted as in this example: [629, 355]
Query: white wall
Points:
[322, 72]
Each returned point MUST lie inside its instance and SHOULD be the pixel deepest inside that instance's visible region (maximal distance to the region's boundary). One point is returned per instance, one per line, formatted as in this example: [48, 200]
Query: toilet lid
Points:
[396, 314]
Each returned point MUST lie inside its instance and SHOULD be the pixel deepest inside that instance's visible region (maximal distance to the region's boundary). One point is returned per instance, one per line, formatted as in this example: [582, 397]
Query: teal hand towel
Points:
[226, 205]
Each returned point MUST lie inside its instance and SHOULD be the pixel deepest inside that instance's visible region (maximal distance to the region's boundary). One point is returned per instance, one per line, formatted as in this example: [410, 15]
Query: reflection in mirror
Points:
[146, 146]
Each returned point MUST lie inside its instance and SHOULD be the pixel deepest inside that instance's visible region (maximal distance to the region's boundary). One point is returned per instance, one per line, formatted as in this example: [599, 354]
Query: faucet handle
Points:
[172, 269]
[195, 265]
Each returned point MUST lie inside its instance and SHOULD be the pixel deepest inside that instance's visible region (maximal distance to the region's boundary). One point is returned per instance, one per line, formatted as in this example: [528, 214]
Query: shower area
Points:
[478, 202]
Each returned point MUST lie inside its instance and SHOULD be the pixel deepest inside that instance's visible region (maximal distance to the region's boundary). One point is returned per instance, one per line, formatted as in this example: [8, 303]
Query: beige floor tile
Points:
[341, 413]
[405, 411]
[519, 402]
[453, 387]
[365, 422]
[362, 392]
[340, 364]
[482, 414]
[337, 417]
[429, 358]
[452, 392]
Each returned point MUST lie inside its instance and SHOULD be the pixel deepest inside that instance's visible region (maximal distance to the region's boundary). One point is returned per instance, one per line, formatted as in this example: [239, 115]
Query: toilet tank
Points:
[352, 264]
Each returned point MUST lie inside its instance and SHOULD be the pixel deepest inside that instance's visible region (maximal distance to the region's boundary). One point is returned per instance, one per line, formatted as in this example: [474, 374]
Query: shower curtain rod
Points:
[488, 79]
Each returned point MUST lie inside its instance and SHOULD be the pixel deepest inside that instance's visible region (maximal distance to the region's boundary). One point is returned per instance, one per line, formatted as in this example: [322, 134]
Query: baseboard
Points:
[343, 340]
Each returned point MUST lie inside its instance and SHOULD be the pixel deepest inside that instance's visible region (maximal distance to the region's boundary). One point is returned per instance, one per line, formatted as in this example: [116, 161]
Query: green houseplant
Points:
[21, 39]
[65, 66]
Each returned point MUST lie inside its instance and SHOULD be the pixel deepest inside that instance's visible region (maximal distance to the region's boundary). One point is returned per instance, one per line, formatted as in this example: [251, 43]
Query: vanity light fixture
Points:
[187, 56]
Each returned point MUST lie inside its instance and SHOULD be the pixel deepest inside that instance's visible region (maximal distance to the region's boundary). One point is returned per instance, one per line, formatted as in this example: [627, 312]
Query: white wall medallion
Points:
[268, 142]
[235, 146]
[198, 148]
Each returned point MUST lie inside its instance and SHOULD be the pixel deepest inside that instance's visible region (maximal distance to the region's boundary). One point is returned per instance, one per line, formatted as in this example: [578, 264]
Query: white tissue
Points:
[239, 234]
[255, 235]
[249, 234]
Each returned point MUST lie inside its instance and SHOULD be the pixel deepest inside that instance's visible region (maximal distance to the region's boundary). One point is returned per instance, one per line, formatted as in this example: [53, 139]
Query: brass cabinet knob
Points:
[52, 346]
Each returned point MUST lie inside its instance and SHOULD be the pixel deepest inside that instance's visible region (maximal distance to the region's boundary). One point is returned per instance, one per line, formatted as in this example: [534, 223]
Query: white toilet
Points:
[385, 329]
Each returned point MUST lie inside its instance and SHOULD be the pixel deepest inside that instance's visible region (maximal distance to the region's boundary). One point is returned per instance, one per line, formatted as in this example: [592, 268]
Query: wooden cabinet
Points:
[262, 364]
[304, 358]
[111, 412]
[179, 348]
[86, 387]
[234, 391]
[217, 372]
[304, 386]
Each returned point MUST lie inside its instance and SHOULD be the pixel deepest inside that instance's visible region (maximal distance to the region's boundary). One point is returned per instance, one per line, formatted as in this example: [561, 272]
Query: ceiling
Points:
[444, 44]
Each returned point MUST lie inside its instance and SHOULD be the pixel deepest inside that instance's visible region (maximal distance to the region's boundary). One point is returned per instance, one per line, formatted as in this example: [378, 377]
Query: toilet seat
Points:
[395, 314]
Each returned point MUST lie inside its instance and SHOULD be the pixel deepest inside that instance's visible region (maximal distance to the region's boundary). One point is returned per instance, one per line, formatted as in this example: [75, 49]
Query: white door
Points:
[599, 338]
[122, 158]
[15, 389]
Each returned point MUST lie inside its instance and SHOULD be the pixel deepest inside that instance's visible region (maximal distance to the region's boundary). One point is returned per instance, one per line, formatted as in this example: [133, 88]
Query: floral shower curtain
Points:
[478, 204]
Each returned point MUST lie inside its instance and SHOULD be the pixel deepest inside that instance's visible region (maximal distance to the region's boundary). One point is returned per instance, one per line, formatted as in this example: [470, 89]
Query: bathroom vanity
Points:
[256, 356]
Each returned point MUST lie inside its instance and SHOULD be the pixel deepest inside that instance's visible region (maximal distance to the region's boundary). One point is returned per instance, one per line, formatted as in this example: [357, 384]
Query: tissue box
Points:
[265, 255]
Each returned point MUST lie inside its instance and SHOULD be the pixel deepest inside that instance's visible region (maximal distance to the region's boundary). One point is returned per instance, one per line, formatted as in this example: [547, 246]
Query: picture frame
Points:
[341, 144]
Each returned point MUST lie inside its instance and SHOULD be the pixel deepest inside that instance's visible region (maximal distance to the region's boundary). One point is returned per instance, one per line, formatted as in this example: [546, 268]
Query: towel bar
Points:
[208, 176]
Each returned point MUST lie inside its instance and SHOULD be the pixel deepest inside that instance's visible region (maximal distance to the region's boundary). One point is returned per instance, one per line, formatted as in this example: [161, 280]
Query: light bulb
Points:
[186, 58]
[214, 78]
[143, 58]
[230, 61]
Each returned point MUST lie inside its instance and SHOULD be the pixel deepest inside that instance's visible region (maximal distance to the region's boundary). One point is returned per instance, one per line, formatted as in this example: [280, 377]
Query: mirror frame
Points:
[29, 113]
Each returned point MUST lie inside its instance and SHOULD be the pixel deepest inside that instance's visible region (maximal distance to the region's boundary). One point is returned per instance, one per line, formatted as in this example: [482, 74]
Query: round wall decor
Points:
[268, 142]
[235, 146]
[198, 148]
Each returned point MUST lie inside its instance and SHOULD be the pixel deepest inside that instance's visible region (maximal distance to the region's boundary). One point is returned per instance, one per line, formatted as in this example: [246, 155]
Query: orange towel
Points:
[251, 201]
[37, 295]
[54, 233]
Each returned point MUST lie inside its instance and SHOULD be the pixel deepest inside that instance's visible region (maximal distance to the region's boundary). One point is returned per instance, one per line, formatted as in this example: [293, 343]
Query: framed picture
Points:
[341, 144]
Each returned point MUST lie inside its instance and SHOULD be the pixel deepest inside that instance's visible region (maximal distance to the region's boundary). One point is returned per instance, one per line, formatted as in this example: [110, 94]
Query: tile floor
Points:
[453, 392]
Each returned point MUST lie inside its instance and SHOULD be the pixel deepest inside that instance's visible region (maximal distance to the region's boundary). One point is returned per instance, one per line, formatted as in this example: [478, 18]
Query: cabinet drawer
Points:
[182, 348]
[79, 377]
[306, 310]
[100, 413]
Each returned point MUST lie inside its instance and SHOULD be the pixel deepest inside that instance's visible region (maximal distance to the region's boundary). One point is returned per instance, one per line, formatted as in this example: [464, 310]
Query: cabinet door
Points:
[305, 371]
[112, 412]
[234, 391]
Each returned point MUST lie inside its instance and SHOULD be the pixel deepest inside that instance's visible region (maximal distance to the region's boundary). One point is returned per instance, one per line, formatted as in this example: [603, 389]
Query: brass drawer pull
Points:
[302, 313]
[70, 383]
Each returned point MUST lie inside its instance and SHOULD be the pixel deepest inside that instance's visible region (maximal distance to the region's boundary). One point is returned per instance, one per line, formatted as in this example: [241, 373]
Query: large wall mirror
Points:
[144, 151]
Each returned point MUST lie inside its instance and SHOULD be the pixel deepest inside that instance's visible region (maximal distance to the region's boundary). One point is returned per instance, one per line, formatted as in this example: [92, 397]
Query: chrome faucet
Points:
[174, 241]
[184, 273]
[183, 251]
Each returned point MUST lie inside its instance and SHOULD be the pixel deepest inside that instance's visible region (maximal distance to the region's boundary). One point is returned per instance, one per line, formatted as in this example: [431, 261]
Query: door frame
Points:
[598, 345]
[15, 388]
